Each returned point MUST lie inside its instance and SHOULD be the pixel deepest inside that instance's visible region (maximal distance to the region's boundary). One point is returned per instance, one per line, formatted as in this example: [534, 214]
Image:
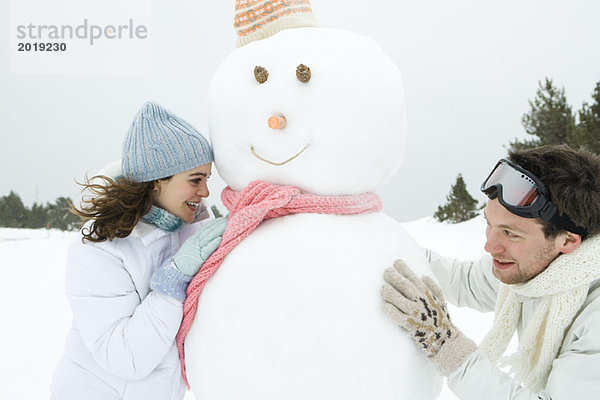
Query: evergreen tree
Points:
[37, 216]
[588, 128]
[13, 214]
[216, 211]
[550, 119]
[60, 216]
[460, 205]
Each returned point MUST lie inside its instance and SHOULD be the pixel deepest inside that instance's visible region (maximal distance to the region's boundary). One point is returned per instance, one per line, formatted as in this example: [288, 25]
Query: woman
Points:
[126, 279]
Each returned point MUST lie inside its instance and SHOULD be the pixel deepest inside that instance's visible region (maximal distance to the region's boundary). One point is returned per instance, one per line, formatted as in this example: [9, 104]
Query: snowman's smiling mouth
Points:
[277, 164]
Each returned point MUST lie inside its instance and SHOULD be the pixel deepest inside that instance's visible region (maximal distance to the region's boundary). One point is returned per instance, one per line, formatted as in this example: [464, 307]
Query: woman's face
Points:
[182, 193]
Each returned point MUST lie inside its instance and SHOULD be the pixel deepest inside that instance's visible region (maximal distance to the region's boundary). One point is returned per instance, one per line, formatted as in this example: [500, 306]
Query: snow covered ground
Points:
[35, 314]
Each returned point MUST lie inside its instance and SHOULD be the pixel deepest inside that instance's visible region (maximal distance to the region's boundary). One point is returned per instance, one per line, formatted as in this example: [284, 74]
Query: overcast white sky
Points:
[469, 68]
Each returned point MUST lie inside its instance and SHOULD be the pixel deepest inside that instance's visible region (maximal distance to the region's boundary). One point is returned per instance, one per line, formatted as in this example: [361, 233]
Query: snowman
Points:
[293, 312]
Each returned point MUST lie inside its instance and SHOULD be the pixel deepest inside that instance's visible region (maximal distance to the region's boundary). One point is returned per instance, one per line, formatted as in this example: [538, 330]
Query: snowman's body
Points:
[294, 313]
[294, 310]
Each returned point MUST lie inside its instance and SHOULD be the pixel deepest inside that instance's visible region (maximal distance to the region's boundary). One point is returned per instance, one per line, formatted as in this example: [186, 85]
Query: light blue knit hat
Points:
[159, 144]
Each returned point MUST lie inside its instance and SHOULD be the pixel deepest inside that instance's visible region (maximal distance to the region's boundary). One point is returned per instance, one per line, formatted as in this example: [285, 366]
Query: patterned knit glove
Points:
[192, 254]
[418, 306]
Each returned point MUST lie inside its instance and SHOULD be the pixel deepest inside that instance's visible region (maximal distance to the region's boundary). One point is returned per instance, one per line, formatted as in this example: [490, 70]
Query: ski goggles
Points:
[523, 194]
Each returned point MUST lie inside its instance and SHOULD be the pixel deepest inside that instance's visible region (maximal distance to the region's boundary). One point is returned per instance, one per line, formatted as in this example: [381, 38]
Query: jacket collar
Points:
[147, 233]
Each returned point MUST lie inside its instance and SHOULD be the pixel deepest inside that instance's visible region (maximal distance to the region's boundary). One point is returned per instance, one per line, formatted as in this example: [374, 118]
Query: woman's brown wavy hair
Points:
[114, 207]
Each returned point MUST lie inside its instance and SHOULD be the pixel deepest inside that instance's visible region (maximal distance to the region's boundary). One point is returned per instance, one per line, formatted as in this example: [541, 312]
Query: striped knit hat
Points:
[160, 144]
[260, 19]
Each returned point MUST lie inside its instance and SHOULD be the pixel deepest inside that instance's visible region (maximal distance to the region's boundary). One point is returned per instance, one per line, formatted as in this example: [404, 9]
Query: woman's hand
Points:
[196, 250]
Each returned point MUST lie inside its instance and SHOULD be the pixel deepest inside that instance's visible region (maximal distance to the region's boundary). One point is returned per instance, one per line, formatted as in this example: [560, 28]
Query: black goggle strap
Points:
[563, 220]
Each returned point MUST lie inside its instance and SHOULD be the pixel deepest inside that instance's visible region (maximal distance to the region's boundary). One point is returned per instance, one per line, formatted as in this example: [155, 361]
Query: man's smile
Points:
[503, 264]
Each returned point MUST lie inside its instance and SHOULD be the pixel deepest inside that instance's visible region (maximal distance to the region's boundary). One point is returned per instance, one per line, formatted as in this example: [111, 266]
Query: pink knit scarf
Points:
[247, 209]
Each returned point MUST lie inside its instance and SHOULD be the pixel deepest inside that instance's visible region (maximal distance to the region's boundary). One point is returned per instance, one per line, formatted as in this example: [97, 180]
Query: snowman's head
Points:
[337, 130]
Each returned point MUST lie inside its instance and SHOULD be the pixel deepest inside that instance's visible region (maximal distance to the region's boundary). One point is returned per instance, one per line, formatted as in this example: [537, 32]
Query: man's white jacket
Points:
[575, 372]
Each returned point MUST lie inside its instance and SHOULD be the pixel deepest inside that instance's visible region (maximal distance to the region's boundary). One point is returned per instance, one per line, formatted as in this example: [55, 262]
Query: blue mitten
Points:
[173, 277]
[196, 250]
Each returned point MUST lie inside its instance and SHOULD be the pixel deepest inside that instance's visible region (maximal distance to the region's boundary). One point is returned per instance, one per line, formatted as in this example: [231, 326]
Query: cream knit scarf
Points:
[561, 289]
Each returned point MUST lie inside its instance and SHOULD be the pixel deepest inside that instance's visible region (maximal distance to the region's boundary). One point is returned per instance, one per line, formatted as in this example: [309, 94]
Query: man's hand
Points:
[418, 306]
[196, 250]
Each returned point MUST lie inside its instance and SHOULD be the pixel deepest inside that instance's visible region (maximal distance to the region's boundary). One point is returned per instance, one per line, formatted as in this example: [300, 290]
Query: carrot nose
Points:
[277, 122]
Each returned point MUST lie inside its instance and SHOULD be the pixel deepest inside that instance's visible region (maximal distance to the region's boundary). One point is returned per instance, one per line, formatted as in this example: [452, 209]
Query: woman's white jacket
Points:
[122, 341]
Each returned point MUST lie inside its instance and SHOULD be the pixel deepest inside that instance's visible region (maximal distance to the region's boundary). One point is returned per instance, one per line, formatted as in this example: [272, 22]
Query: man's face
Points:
[517, 244]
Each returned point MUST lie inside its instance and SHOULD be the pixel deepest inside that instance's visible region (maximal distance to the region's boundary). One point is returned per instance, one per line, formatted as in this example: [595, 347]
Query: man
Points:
[542, 279]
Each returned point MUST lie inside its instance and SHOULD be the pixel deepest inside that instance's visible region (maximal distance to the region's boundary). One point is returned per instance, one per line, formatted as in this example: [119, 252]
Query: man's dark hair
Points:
[573, 179]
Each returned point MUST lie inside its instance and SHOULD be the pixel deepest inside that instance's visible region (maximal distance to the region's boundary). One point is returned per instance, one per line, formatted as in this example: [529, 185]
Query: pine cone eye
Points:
[261, 74]
[303, 73]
